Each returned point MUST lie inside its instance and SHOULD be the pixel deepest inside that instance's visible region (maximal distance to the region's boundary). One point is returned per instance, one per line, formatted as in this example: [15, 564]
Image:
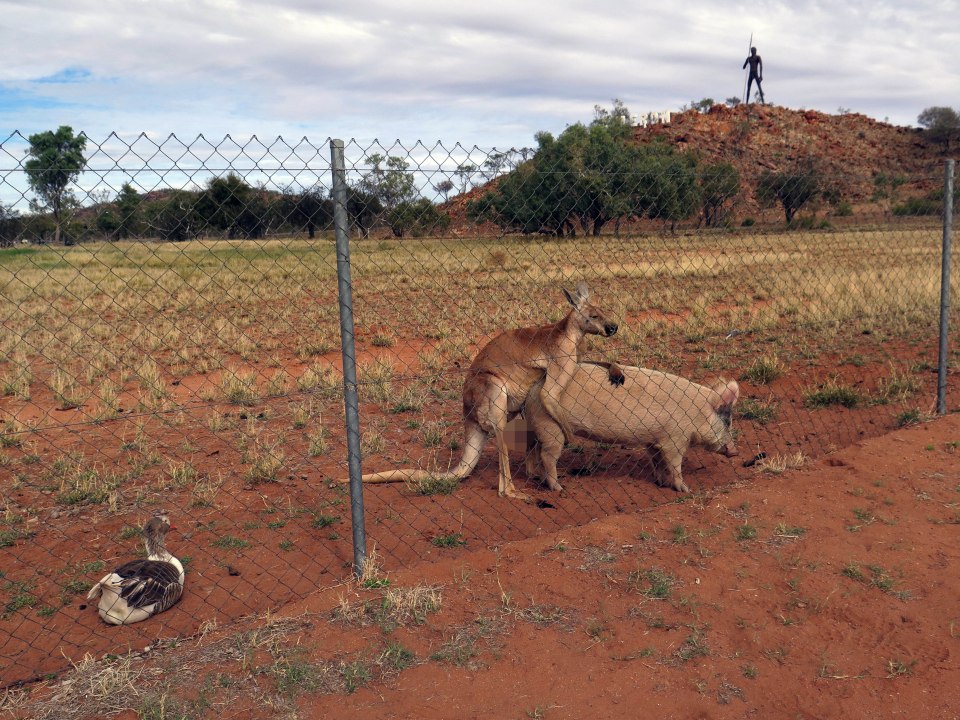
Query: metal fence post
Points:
[945, 287]
[350, 397]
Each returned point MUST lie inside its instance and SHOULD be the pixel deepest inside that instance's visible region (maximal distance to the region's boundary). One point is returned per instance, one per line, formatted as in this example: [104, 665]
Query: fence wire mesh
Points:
[170, 341]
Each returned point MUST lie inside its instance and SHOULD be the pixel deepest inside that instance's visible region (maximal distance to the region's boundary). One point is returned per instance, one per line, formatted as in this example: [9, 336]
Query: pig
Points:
[661, 412]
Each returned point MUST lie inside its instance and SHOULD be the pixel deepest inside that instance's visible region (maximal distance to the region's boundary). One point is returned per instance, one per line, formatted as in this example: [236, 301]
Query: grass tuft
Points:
[764, 370]
[832, 393]
[654, 583]
[433, 485]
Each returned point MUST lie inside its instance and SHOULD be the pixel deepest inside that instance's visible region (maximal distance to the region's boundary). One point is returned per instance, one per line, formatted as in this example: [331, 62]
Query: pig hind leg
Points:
[658, 465]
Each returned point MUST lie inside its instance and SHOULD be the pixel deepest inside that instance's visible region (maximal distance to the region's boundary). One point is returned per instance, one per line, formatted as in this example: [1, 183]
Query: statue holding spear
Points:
[756, 72]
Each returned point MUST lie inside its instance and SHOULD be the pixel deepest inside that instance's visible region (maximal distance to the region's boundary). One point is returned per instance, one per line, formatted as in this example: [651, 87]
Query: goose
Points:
[140, 589]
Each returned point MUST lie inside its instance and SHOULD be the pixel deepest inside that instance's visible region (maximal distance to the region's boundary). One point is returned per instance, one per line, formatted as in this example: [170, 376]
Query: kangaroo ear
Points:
[729, 393]
[580, 296]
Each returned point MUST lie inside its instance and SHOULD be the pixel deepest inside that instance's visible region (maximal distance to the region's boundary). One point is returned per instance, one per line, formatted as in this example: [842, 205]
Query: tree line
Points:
[593, 175]
[227, 206]
[587, 178]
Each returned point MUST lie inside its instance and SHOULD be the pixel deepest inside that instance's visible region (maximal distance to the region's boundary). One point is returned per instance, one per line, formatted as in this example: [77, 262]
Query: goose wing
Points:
[149, 582]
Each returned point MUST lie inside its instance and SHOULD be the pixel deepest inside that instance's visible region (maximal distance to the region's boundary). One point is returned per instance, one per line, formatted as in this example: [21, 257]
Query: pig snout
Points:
[730, 450]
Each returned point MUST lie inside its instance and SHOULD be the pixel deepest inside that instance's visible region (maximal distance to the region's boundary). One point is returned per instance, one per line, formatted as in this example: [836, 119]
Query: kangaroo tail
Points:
[474, 439]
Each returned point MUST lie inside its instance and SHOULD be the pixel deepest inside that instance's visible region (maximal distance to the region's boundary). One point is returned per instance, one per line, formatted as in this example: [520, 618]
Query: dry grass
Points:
[140, 317]
[81, 484]
[264, 459]
[153, 387]
[778, 464]
[95, 687]
[812, 278]
[323, 379]
[899, 385]
[376, 380]
[155, 313]
[239, 386]
[433, 484]
[65, 389]
[765, 370]
[206, 489]
[394, 607]
[302, 413]
[319, 441]
[148, 687]
[370, 568]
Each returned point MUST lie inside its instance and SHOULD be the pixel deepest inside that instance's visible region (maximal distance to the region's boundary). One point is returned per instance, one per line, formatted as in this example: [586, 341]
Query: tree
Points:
[498, 163]
[444, 187]
[108, 223]
[305, 209]
[120, 218]
[129, 202]
[56, 161]
[792, 189]
[591, 175]
[11, 226]
[617, 116]
[175, 217]
[465, 172]
[418, 218]
[231, 205]
[516, 204]
[733, 101]
[718, 183]
[942, 125]
[666, 186]
[887, 187]
[388, 180]
[581, 175]
[363, 209]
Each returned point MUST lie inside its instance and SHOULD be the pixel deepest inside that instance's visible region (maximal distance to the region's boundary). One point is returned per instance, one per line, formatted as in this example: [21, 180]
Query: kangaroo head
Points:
[591, 319]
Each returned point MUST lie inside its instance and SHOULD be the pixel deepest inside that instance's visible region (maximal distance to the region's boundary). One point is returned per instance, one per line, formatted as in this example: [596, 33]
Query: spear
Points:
[746, 78]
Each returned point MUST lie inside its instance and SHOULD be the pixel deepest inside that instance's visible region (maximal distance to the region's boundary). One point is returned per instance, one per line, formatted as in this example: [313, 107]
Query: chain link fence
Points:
[170, 339]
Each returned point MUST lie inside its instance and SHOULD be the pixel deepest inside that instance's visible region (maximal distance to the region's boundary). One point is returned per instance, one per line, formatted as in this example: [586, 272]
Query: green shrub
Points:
[843, 209]
[917, 206]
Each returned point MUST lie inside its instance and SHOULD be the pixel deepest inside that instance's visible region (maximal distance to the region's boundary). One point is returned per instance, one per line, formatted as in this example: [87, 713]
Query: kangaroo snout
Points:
[610, 329]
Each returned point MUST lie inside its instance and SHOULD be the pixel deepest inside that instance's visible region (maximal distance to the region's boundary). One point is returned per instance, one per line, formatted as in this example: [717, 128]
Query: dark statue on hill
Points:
[756, 73]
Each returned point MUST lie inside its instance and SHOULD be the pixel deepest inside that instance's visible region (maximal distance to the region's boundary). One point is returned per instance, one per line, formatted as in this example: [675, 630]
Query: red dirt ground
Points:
[290, 551]
[827, 592]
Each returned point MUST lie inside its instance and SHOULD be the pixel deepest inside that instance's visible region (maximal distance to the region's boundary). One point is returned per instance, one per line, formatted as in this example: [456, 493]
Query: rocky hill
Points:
[849, 148]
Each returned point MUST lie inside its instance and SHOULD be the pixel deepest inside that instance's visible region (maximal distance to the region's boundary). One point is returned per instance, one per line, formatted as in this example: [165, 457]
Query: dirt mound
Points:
[849, 146]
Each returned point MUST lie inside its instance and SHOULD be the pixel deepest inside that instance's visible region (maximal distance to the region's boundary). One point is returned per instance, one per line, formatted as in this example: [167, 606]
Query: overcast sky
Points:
[488, 73]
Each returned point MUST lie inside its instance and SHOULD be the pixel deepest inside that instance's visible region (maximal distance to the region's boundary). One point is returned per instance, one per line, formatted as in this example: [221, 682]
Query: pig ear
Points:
[729, 393]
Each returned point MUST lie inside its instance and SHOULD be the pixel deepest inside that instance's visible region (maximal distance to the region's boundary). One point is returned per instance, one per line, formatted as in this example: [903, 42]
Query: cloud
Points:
[65, 76]
[491, 73]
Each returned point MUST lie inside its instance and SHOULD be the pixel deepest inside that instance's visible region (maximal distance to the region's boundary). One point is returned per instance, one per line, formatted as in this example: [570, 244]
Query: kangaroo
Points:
[499, 380]
[662, 412]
